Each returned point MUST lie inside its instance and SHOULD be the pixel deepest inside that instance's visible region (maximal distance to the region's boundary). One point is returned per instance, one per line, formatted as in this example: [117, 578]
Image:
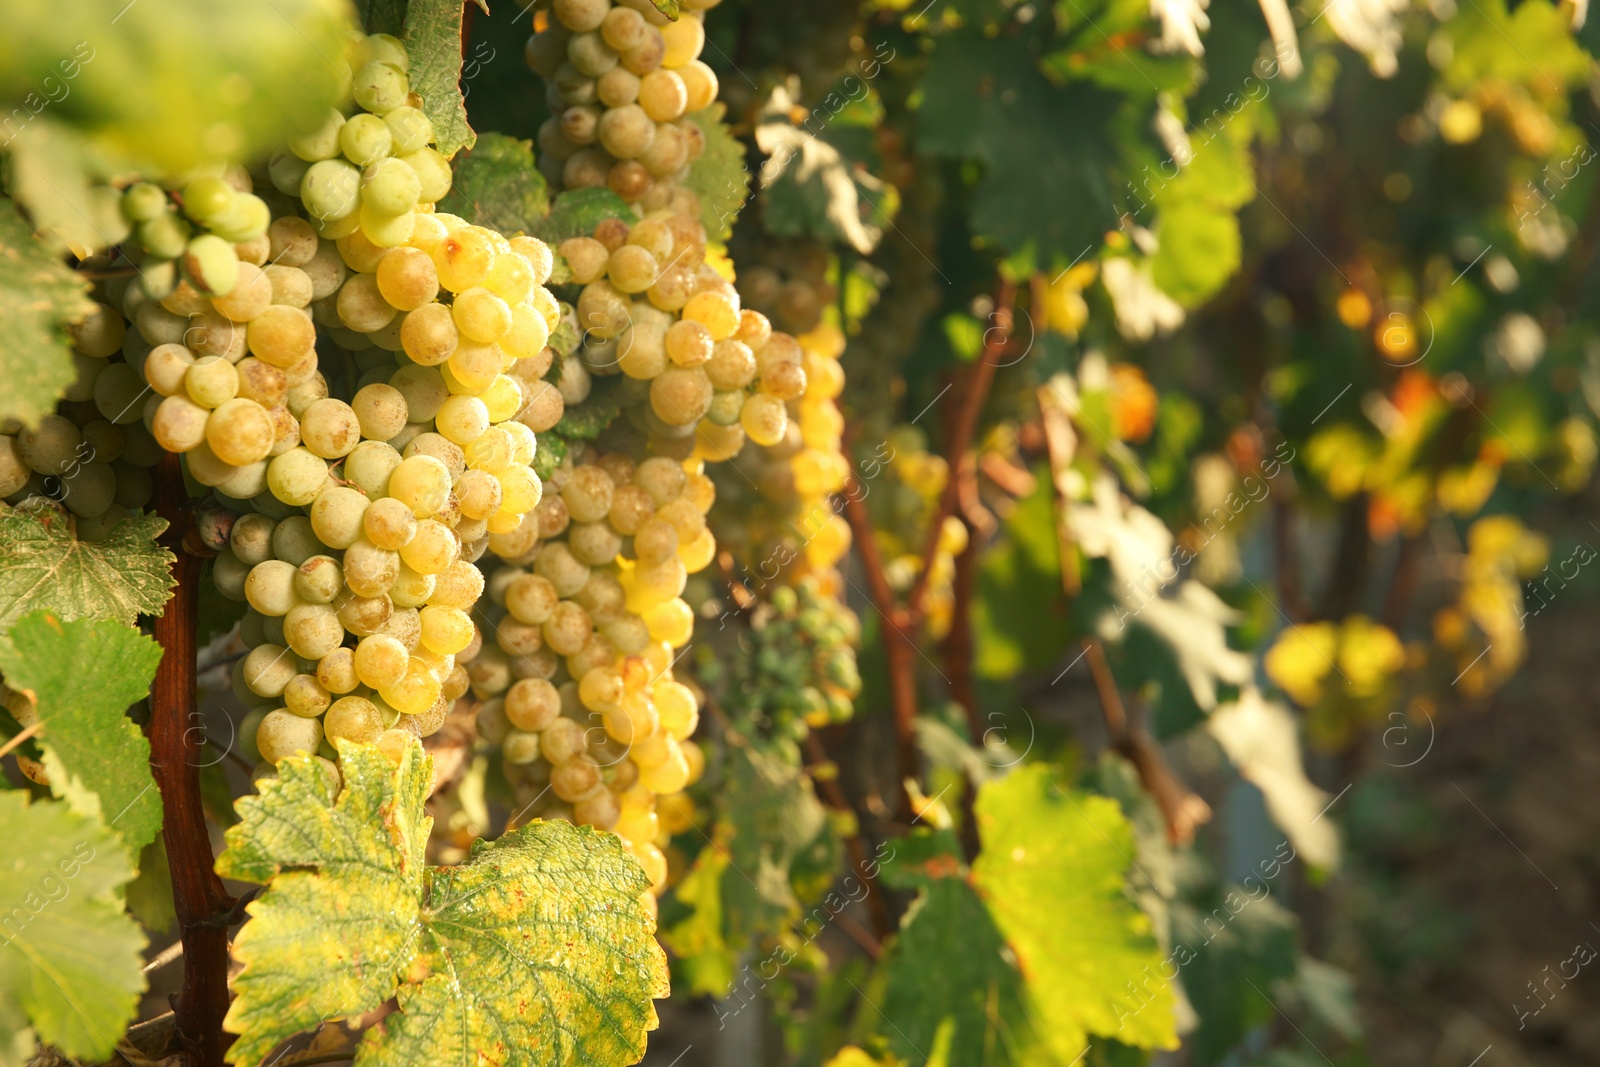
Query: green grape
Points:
[207, 197]
[331, 189]
[433, 171]
[245, 219]
[337, 514]
[365, 139]
[211, 265]
[282, 734]
[286, 171]
[380, 87]
[297, 476]
[143, 201]
[390, 187]
[321, 143]
[422, 483]
[410, 129]
[165, 236]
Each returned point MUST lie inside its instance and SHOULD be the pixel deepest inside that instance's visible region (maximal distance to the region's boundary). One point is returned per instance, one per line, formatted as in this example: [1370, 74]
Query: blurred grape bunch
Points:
[98, 88]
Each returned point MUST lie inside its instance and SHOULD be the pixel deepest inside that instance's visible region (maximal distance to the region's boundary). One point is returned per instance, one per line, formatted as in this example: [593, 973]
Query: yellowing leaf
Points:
[71, 961]
[83, 675]
[44, 567]
[536, 951]
[1300, 659]
[1052, 872]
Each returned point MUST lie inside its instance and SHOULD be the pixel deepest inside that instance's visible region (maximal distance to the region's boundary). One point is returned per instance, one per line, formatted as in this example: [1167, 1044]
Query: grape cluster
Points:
[363, 494]
[902, 508]
[800, 671]
[578, 683]
[620, 82]
[790, 284]
[373, 171]
[218, 203]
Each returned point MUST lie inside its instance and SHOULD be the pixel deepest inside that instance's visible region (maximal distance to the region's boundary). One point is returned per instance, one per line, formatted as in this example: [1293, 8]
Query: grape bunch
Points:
[790, 284]
[800, 670]
[621, 81]
[359, 498]
[578, 682]
[373, 171]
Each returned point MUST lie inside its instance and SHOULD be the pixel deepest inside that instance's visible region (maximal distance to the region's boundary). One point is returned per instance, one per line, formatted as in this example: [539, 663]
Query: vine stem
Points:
[1182, 809]
[898, 642]
[974, 391]
[198, 894]
[876, 905]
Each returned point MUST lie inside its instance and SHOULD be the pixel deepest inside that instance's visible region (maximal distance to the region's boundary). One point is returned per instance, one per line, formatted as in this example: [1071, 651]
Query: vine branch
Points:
[974, 391]
[198, 894]
[1182, 809]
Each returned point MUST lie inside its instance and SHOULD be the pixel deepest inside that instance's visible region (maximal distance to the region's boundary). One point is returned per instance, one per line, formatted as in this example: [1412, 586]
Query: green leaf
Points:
[1233, 947]
[1019, 616]
[1049, 152]
[719, 177]
[497, 186]
[44, 567]
[578, 212]
[150, 893]
[770, 817]
[670, 8]
[949, 977]
[433, 39]
[818, 182]
[589, 419]
[39, 296]
[174, 84]
[58, 175]
[83, 675]
[535, 951]
[551, 451]
[72, 961]
[1052, 871]
[1198, 227]
[708, 961]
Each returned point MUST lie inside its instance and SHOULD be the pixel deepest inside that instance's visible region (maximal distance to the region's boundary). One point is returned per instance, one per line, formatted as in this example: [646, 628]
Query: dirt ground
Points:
[1469, 912]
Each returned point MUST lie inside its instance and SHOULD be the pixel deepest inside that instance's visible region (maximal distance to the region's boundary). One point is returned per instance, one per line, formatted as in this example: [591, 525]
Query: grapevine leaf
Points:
[1052, 870]
[44, 567]
[1049, 152]
[382, 16]
[1234, 946]
[497, 186]
[949, 971]
[770, 818]
[719, 177]
[707, 959]
[578, 212]
[588, 420]
[552, 450]
[150, 894]
[236, 79]
[812, 185]
[83, 675]
[433, 39]
[39, 295]
[72, 961]
[1019, 615]
[670, 8]
[57, 174]
[535, 951]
